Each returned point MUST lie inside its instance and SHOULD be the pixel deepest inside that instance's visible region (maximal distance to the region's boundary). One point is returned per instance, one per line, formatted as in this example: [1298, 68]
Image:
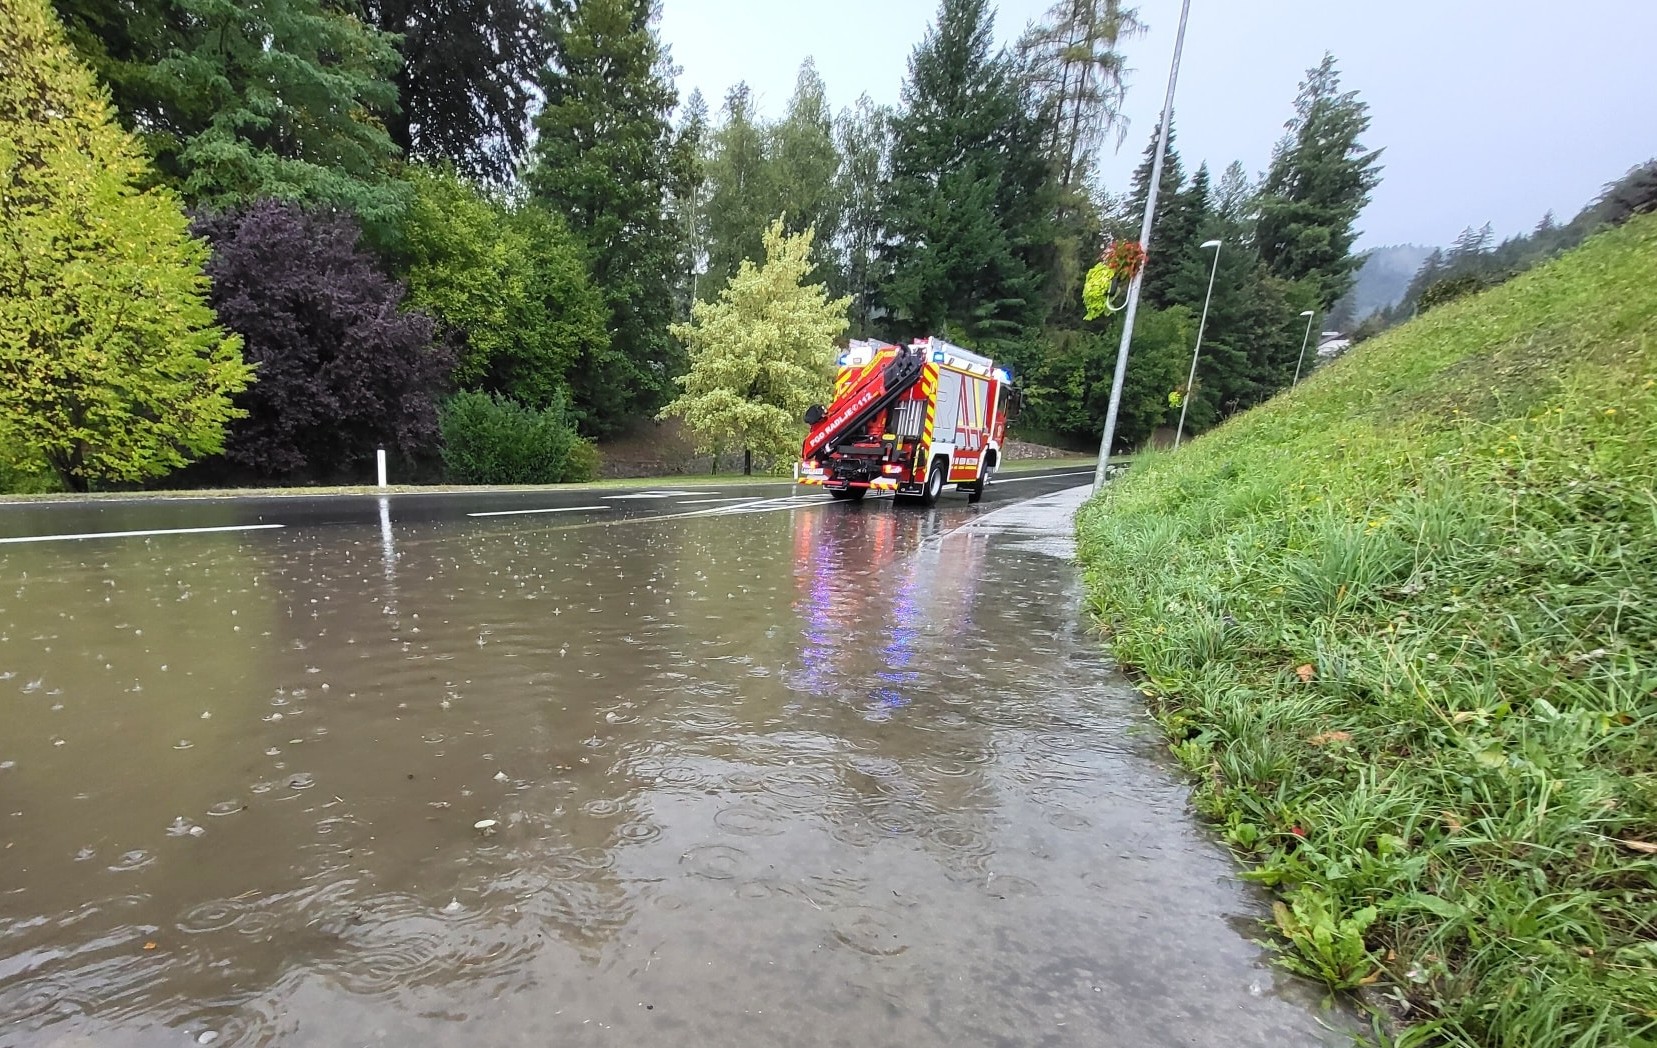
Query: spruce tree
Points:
[1235, 196]
[1177, 241]
[114, 369]
[1320, 179]
[603, 160]
[1165, 251]
[242, 99]
[466, 81]
[970, 196]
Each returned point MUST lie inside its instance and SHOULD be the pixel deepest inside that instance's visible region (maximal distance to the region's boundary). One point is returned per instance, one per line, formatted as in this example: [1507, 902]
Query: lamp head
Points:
[1211, 243]
[1305, 312]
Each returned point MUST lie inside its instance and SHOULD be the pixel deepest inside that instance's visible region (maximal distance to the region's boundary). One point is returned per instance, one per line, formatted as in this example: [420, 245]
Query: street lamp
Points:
[1102, 471]
[1304, 339]
[1185, 402]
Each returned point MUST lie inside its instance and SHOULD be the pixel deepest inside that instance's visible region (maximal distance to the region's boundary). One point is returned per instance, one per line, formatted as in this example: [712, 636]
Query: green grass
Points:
[1068, 462]
[1401, 625]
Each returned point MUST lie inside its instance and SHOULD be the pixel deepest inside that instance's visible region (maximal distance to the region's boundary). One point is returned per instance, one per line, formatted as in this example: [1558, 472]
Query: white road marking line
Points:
[139, 534]
[704, 502]
[555, 509]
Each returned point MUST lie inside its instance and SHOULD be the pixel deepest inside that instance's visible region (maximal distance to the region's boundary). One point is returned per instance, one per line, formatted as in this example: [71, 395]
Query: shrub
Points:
[343, 368]
[489, 439]
[20, 476]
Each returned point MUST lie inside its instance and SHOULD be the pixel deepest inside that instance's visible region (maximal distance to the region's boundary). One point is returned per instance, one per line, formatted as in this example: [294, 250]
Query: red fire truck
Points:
[908, 419]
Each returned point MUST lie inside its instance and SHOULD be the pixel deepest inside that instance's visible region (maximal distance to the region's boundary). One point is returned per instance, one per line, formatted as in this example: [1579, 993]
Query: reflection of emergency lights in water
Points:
[866, 611]
[839, 561]
[937, 592]
[897, 657]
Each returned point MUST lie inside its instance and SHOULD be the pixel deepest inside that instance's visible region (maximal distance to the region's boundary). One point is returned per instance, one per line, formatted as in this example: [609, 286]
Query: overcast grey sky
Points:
[1488, 110]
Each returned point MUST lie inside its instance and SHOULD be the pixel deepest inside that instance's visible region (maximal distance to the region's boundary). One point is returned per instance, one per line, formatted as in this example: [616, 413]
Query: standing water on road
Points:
[834, 775]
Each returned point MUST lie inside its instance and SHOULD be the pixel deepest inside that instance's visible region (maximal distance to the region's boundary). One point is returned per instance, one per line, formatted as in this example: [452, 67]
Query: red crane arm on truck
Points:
[857, 405]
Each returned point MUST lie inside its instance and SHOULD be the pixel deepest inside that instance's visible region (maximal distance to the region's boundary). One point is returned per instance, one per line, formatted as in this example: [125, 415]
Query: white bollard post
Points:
[379, 457]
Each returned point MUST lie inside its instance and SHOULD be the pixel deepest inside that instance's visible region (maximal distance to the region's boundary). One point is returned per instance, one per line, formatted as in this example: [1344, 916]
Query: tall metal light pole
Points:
[1191, 380]
[1103, 468]
[1304, 339]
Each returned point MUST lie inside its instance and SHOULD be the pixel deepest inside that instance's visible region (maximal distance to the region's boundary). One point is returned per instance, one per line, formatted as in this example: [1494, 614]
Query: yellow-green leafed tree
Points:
[761, 354]
[111, 366]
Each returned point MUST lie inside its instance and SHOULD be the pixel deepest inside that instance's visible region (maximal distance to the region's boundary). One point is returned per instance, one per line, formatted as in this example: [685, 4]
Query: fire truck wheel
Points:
[935, 481]
[850, 494]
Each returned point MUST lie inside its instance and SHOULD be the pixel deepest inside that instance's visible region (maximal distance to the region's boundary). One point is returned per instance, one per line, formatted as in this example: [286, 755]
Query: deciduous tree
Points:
[343, 368]
[761, 354]
[688, 201]
[111, 367]
[741, 193]
[865, 141]
[805, 162]
[508, 284]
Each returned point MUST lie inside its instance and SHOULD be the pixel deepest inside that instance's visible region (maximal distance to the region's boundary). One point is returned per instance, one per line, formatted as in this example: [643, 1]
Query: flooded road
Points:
[833, 774]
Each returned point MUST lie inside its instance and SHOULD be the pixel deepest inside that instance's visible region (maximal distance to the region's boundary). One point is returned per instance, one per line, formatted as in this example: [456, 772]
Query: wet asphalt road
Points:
[683, 496]
[752, 773]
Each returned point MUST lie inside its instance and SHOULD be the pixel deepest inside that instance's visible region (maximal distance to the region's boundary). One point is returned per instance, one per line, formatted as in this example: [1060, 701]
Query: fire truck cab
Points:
[908, 419]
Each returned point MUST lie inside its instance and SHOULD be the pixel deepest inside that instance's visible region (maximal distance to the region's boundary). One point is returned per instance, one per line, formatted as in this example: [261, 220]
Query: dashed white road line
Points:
[705, 502]
[555, 509]
[138, 534]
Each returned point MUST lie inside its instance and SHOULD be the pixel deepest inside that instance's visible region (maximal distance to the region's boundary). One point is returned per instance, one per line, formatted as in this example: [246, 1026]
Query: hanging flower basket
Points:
[1106, 288]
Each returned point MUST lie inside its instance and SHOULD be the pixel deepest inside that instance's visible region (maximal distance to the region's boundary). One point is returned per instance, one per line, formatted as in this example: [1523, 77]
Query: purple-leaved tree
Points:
[342, 368]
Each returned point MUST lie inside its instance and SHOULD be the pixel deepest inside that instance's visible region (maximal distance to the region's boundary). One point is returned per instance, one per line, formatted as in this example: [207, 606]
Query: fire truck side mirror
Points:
[814, 414]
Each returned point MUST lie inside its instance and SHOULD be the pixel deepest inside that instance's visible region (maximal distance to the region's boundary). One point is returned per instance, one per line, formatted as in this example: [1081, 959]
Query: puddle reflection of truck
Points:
[909, 420]
[888, 637]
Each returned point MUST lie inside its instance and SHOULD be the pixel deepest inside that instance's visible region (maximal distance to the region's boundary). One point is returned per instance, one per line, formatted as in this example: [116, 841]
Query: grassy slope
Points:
[1401, 622]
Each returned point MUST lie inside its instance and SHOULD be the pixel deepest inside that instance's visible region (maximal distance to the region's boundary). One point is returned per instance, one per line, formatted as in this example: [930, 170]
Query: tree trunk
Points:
[747, 462]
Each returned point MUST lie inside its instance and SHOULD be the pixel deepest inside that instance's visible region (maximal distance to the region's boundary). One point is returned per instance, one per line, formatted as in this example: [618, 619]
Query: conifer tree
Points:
[1072, 60]
[603, 161]
[111, 366]
[242, 99]
[466, 80]
[970, 195]
[1320, 179]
